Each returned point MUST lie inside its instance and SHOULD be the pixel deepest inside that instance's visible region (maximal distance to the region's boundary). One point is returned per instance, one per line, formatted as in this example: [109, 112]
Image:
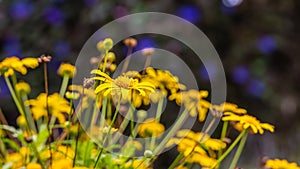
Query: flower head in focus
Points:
[122, 86]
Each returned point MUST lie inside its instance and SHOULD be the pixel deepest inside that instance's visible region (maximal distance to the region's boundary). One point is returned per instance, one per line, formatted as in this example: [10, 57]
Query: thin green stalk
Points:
[223, 135]
[105, 61]
[132, 124]
[229, 149]
[159, 109]
[109, 129]
[14, 96]
[176, 161]
[64, 85]
[175, 127]
[238, 151]
[123, 124]
[28, 115]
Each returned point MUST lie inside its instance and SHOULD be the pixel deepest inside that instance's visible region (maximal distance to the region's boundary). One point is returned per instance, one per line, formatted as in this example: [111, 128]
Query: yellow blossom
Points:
[21, 121]
[57, 106]
[62, 163]
[150, 128]
[137, 163]
[33, 165]
[11, 64]
[66, 69]
[30, 62]
[122, 86]
[246, 121]
[16, 159]
[193, 100]
[281, 164]
[22, 87]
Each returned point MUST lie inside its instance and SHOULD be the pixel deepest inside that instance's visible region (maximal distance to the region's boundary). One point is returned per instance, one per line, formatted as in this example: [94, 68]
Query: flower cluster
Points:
[56, 133]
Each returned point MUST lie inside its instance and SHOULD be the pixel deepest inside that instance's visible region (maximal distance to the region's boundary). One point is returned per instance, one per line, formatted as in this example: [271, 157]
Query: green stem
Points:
[64, 86]
[109, 129]
[175, 127]
[176, 161]
[105, 61]
[28, 115]
[230, 148]
[238, 151]
[223, 135]
[159, 109]
[14, 96]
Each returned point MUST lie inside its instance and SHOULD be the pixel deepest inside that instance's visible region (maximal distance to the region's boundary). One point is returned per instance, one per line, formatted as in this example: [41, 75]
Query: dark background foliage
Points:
[258, 42]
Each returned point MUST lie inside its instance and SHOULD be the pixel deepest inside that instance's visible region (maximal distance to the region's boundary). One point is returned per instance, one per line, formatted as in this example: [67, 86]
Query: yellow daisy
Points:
[121, 86]
[11, 64]
[150, 128]
[57, 106]
[66, 69]
[193, 100]
[246, 121]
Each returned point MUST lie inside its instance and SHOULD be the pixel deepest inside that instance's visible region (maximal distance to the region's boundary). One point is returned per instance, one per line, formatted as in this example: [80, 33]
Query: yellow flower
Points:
[246, 121]
[137, 163]
[21, 121]
[201, 159]
[281, 164]
[57, 106]
[81, 168]
[163, 80]
[229, 107]
[61, 164]
[121, 86]
[193, 100]
[16, 159]
[23, 87]
[30, 62]
[150, 128]
[33, 165]
[105, 45]
[11, 64]
[66, 69]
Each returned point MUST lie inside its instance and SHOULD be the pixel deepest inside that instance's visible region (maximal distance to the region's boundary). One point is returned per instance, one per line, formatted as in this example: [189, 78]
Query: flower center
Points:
[123, 82]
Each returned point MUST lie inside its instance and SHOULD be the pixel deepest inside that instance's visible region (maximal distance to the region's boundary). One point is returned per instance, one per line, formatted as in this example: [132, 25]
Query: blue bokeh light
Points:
[204, 72]
[227, 10]
[11, 46]
[21, 10]
[266, 44]
[54, 16]
[62, 48]
[256, 88]
[145, 43]
[240, 74]
[190, 13]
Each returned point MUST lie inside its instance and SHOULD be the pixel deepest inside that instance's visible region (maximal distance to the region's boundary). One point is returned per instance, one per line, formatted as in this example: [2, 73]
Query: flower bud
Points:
[108, 43]
[130, 42]
[148, 153]
[141, 114]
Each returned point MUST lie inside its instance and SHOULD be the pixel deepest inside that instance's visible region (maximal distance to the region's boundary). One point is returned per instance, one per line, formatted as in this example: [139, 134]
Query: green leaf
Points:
[42, 137]
[12, 144]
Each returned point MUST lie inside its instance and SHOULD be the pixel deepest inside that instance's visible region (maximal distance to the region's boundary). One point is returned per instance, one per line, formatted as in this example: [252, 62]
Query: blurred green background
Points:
[257, 40]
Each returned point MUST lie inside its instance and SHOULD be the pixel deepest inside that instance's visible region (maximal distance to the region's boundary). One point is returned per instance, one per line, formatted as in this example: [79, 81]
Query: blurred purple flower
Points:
[62, 48]
[90, 3]
[232, 3]
[227, 10]
[190, 13]
[240, 74]
[54, 16]
[266, 44]
[204, 72]
[21, 10]
[145, 43]
[11, 46]
[119, 11]
[256, 88]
